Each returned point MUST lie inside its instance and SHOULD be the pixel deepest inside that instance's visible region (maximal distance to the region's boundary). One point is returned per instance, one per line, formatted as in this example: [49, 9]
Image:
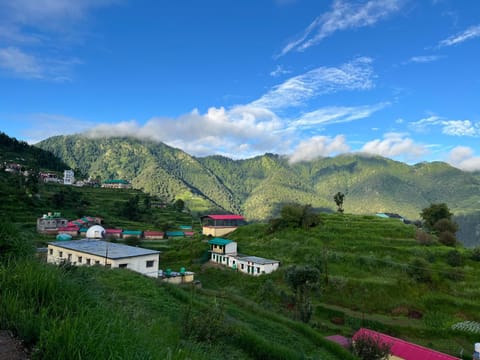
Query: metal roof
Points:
[100, 248]
[405, 349]
[225, 217]
[257, 260]
[219, 241]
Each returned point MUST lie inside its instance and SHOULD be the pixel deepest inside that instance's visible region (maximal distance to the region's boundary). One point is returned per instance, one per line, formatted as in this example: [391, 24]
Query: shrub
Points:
[370, 347]
[447, 238]
[475, 254]
[423, 237]
[443, 225]
[419, 271]
[454, 258]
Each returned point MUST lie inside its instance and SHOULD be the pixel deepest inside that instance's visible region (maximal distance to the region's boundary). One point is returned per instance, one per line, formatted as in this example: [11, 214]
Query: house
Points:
[153, 235]
[116, 184]
[89, 252]
[50, 223]
[113, 233]
[49, 177]
[224, 252]
[173, 277]
[131, 233]
[220, 225]
[254, 265]
[68, 177]
[404, 350]
[69, 230]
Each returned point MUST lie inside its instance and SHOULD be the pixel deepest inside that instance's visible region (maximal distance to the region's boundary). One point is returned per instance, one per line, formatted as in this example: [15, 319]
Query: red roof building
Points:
[153, 235]
[405, 350]
[116, 233]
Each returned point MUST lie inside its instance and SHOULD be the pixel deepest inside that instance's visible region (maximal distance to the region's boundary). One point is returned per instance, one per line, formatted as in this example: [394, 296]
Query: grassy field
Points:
[373, 273]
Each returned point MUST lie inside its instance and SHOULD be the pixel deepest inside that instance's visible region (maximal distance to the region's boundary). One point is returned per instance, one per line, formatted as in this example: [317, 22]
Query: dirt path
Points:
[11, 348]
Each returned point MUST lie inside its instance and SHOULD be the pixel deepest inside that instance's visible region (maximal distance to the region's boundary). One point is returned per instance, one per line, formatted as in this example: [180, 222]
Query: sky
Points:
[301, 78]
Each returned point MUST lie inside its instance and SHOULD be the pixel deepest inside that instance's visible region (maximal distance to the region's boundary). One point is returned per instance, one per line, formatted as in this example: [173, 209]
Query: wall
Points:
[218, 231]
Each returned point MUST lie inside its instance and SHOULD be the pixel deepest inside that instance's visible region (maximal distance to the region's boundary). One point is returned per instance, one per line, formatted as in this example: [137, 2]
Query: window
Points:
[97, 262]
[60, 254]
[69, 256]
[108, 266]
[242, 266]
[258, 270]
[79, 259]
[88, 261]
[50, 251]
[233, 262]
[122, 266]
[150, 263]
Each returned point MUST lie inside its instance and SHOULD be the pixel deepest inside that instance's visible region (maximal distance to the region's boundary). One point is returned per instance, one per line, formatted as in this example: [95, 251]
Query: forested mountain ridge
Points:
[257, 187]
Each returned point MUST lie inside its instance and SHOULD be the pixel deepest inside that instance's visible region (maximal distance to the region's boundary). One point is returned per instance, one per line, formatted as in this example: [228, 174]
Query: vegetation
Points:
[369, 347]
[339, 198]
[259, 187]
[438, 219]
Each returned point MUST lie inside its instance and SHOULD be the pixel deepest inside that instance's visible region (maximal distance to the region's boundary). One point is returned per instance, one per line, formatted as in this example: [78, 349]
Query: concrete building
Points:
[88, 252]
[221, 225]
[153, 235]
[50, 223]
[116, 184]
[224, 252]
[68, 177]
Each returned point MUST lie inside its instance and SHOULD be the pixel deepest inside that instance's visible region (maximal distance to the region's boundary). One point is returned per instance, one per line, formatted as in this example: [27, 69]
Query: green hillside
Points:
[258, 187]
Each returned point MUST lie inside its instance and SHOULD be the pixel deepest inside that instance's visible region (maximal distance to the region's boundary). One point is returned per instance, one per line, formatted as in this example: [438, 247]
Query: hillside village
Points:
[268, 263]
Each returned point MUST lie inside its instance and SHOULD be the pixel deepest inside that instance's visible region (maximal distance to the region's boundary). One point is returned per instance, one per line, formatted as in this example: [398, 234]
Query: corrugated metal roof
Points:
[219, 241]
[225, 217]
[257, 260]
[132, 232]
[113, 231]
[406, 350]
[100, 248]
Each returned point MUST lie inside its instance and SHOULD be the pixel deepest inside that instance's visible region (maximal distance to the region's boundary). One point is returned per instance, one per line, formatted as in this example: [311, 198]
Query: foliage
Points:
[447, 238]
[467, 326]
[179, 205]
[339, 198]
[302, 279]
[133, 241]
[434, 213]
[370, 347]
[419, 270]
[296, 216]
[455, 258]
[475, 255]
[445, 224]
[423, 237]
[13, 243]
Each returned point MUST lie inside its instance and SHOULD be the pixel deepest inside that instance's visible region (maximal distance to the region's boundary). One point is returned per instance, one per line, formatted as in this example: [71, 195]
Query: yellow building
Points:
[88, 252]
[221, 225]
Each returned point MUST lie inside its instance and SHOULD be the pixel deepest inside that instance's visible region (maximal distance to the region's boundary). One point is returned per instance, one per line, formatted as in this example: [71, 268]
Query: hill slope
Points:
[257, 187]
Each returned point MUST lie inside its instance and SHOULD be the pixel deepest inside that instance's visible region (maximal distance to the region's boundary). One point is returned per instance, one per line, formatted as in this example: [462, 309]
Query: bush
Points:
[423, 237]
[419, 271]
[370, 347]
[447, 238]
[454, 258]
[475, 254]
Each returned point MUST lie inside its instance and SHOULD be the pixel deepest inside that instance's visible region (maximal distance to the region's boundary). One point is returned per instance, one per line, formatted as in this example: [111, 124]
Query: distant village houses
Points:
[68, 177]
[50, 223]
[116, 184]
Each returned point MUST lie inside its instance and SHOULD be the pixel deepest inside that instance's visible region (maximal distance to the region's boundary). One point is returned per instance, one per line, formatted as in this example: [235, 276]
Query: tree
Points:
[435, 212]
[179, 205]
[302, 279]
[339, 197]
[370, 347]
[296, 216]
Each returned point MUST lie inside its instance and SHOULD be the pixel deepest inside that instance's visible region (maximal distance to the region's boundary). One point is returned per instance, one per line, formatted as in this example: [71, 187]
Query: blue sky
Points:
[397, 78]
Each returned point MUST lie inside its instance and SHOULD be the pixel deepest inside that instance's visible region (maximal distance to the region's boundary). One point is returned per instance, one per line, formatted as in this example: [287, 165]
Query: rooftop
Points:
[116, 181]
[256, 259]
[219, 241]
[406, 350]
[225, 217]
[99, 248]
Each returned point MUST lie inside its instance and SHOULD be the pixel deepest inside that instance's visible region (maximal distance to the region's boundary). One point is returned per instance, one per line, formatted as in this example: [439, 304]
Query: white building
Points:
[68, 177]
[89, 252]
[224, 252]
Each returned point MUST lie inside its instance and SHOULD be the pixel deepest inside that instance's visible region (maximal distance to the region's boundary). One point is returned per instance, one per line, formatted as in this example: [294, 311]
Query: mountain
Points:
[258, 187]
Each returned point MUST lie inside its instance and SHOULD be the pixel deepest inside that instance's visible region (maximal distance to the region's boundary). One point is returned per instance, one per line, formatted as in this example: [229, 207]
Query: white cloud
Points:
[424, 58]
[354, 75]
[239, 132]
[463, 158]
[336, 114]
[319, 146]
[471, 33]
[449, 127]
[278, 71]
[21, 64]
[395, 145]
[342, 16]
